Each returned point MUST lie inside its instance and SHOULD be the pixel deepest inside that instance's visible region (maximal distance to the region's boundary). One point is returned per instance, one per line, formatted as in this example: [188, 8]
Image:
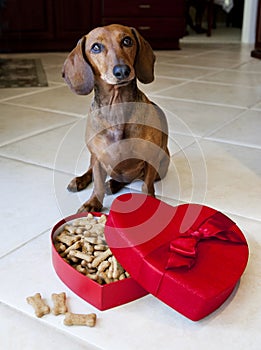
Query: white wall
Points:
[249, 22]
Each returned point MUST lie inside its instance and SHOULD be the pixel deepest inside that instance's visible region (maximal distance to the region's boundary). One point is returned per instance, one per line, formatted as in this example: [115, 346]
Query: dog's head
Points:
[116, 54]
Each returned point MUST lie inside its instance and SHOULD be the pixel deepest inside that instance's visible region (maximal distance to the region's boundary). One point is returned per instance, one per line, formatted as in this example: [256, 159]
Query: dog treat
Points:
[103, 266]
[79, 319]
[40, 307]
[100, 247]
[101, 257]
[93, 240]
[87, 247]
[77, 254]
[82, 244]
[59, 301]
[67, 239]
[75, 245]
[60, 247]
[117, 269]
[81, 269]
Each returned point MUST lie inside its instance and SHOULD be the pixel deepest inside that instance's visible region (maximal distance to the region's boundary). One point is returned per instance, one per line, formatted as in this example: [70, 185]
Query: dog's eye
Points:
[127, 41]
[96, 48]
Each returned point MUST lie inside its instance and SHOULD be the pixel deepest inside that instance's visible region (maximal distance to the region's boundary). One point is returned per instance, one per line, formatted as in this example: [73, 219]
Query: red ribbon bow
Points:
[184, 248]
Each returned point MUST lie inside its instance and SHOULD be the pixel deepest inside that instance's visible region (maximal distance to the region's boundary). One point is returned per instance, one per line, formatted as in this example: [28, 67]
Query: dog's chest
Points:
[115, 133]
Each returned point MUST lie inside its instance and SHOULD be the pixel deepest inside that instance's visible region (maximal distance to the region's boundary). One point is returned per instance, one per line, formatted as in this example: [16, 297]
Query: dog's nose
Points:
[121, 71]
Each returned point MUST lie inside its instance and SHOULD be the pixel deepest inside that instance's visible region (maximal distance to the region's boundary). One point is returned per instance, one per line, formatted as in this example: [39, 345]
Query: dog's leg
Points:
[112, 186]
[150, 176]
[79, 183]
[96, 199]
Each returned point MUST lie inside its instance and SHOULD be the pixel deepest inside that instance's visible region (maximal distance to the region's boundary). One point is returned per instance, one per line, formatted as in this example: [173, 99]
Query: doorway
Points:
[234, 27]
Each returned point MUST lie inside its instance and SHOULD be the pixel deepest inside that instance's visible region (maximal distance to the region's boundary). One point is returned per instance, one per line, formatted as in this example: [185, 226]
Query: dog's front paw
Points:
[77, 184]
[72, 187]
[92, 204]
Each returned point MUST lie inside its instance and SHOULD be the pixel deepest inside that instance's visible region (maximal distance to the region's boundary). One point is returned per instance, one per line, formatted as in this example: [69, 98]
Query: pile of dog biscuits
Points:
[82, 244]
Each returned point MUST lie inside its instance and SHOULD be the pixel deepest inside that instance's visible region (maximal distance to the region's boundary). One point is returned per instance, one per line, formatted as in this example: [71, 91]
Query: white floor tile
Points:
[257, 106]
[20, 122]
[236, 53]
[194, 118]
[62, 148]
[204, 61]
[252, 65]
[221, 175]
[237, 77]
[216, 93]
[27, 203]
[60, 99]
[158, 84]
[245, 130]
[13, 92]
[179, 71]
[20, 331]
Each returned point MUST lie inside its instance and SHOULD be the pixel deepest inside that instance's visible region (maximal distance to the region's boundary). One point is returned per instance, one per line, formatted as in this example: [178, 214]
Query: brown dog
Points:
[126, 134]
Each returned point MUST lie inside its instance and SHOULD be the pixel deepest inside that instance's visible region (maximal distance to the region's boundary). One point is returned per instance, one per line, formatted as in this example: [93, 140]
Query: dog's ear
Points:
[77, 72]
[145, 59]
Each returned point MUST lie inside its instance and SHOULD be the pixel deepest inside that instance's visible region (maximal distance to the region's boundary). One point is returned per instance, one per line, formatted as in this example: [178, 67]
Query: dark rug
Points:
[19, 72]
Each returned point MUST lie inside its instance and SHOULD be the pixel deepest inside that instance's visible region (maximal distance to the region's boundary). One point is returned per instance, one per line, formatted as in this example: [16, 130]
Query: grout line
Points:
[221, 83]
[169, 87]
[233, 66]
[201, 77]
[34, 92]
[190, 79]
[38, 108]
[199, 139]
[233, 143]
[25, 243]
[202, 81]
[36, 165]
[36, 133]
[56, 82]
[172, 78]
[242, 71]
[239, 64]
[179, 99]
[208, 134]
[193, 66]
[189, 66]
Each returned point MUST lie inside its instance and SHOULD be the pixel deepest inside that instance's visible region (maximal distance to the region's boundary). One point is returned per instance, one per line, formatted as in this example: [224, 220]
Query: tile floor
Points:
[211, 94]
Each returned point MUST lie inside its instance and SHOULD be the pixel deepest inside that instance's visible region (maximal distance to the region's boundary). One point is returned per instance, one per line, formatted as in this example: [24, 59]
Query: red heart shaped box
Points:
[140, 231]
[103, 297]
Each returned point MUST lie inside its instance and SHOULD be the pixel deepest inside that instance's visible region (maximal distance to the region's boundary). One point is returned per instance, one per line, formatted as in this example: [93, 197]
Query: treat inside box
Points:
[68, 256]
[190, 257]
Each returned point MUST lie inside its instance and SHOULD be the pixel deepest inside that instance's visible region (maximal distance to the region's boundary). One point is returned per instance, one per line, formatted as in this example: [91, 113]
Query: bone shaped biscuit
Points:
[40, 307]
[80, 319]
[59, 303]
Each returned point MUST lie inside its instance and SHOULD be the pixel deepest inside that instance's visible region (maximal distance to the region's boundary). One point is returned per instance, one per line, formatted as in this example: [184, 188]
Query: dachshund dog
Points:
[126, 133]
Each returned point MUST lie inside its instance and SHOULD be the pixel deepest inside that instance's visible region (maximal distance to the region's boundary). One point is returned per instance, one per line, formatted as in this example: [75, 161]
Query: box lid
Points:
[190, 256]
